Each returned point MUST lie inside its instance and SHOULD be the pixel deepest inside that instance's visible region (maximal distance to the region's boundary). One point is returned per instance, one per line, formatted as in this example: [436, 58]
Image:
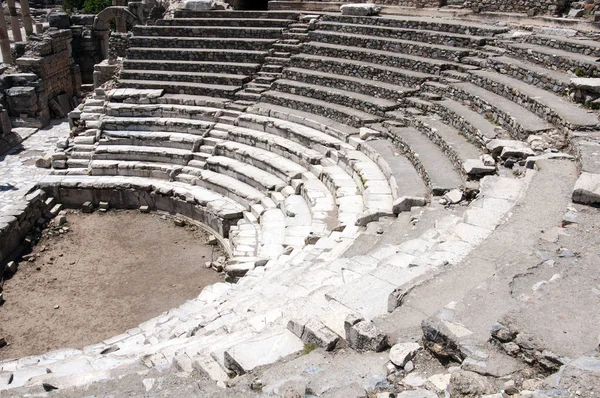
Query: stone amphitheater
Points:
[423, 181]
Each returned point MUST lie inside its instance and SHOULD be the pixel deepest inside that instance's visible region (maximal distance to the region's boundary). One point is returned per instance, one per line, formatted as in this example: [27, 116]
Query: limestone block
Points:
[364, 9]
[314, 332]
[586, 83]
[262, 349]
[477, 167]
[365, 336]
[496, 146]
[405, 203]
[204, 5]
[59, 20]
[401, 353]
[587, 189]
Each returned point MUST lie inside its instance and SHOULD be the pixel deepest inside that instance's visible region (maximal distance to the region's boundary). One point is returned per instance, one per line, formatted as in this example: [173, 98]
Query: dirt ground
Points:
[107, 273]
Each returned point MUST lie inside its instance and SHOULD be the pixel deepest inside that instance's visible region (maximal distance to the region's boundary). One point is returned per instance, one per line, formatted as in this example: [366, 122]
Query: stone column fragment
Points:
[27, 22]
[14, 20]
[4, 42]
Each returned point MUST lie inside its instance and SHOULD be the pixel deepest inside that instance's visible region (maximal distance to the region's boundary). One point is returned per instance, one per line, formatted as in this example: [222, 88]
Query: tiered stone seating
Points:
[367, 119]
[213, 56]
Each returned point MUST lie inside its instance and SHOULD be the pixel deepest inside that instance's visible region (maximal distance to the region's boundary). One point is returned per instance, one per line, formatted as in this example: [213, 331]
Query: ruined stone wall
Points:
[118, 43]
[87, 49]
[48, 57]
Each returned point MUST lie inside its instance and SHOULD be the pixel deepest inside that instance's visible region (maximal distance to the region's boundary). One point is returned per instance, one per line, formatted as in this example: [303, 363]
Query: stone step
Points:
[201, 54]
[342, 114]
[272, 68]
[224, 21]
[421, 22]
[215, 90]
[373, 55]
[174, 125]
[246, 173]
[201, 42]
[404, 179]
[359, 85]
[293, 48]
[248, 96]
[279, 145]
[207, 31]
[428, 159]
[548, 79]
[277, 61]
[513, 117]
[394, 45]
[473, 125]
[454, 146]
[417, 35]
[192, 66]
[362, 102]
[307, 136]
[142, 154]
[579, 64]
[360, 69]
[265, 160]
[546, 105]
[241, 14]
[192, 77]
[151, 138]
[341, 131]
[578, 45]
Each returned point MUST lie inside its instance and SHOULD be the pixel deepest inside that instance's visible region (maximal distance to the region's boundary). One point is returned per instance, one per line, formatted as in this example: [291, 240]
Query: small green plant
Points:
[308, 348]
[95, 6]
[580, 72]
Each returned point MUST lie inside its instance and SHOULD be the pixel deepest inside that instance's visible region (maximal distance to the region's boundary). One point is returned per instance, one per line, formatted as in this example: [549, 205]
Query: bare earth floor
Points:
[108, 273]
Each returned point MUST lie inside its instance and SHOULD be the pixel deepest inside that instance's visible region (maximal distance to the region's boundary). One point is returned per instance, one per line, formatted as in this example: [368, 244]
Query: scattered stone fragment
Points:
[564, 252]
[503, 333]
[510, 388]
[148, 383]
[587, 189]
[401, 353]
[453, 196]
[44, 162]
[212, 240]
[103, 205]
[12, 267]
[469, 384]
[3, 342]
[56, 306]
[179, 222]
[365, 336]
[409, 366]
[60, 219]
[256, 385]
[144, 209]
[440, 381]
[475, 167]
[511, 348]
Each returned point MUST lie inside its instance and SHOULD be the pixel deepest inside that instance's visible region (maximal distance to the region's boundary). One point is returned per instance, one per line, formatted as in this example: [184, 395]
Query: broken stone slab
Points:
[586, 83]
[365, 133]
[405, 203]
[477, 167]
[587, 189]
[5, 379]
[401, 353]
[314, 332]
[531, 161]
[453, 196]
[470, 384]
[419, 393]
[516, 152]
[443, 337]
[363, 335]
[262, 349]
[496, 146]
[363, 9]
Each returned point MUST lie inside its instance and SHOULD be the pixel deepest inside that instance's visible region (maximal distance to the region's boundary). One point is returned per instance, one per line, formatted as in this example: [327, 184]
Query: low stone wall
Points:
[16, 223]
[118, 43]
[26, 99]
[578, 67]
[530, 7]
